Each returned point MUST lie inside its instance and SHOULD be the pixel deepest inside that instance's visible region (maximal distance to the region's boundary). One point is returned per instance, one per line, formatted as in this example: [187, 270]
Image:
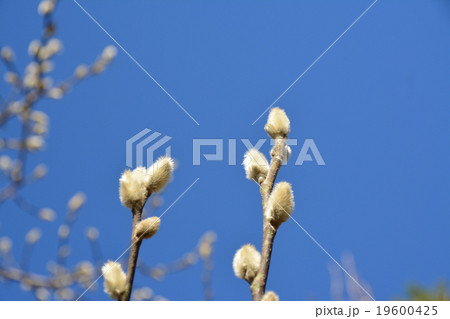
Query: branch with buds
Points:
[277, 204]
[136, 187]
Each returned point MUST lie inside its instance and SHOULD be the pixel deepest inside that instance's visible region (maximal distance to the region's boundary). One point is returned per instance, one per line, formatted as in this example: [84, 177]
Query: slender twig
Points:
[258, 286]
[134, 252]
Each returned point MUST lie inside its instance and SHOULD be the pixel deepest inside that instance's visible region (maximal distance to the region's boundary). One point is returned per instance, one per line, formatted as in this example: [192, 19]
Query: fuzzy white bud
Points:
[147, 228]
[81, 71]
[280, 204]
[33, 236]
[34, 47]
[34, 143]
[109, 52]
[46, 7]
[47, 214]
[256, 165]
[55, 93]
[133, 187]
[5, 245]
[270, 296]
[278, 124]
[246, 262]
[160, 173]
[76, 202]
[92, 233]
[7, 54]
[115, 279]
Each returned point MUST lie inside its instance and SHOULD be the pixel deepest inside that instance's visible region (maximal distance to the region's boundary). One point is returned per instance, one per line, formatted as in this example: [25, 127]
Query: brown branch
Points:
[134, 252]
[258, 286]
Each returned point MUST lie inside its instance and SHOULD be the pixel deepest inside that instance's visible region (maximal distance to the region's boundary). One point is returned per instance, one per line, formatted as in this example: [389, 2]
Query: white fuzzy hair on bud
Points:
[246, 262]
[278, 124]
[256, 165]
[147, 228]
[133, 187]
[270, 296]
[115, 279]
[280, 204]
[160, 173]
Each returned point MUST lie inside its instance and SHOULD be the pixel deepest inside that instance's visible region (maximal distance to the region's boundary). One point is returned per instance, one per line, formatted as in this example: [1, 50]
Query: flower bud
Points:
[33, 236]
[7, 54]
[278, 125]
[133, 187]
[34, 143]
[160, 173]
[256, 165]
[109, 52]
[270, 296]
[280, 204]
[115, 279]
[46, 7]
[34, 47]
[246, 262]
[147, 228]
[76, 202]
[81, 71]
[47, 214]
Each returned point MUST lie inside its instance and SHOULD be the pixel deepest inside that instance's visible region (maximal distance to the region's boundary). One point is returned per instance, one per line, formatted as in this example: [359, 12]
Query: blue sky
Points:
[376, 105]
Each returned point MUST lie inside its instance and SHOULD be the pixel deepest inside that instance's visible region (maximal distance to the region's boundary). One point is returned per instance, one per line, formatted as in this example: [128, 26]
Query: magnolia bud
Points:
[246, 262]
[278, 125]
[270, 296]
[160, 173]
[115, 279]
[147, 228]
[280, 204]
[256, 165]
[133, 187]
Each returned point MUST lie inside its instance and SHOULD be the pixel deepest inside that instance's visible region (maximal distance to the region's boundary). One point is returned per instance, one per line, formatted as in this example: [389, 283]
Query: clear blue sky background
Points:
[377, 106]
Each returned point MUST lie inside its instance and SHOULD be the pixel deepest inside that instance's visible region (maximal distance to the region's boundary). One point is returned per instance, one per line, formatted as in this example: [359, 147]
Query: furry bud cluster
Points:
[137, 185]
[246, 262]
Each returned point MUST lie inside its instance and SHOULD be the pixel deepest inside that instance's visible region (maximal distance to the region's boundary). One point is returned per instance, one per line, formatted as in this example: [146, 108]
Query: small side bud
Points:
[76, 202]
[280, 204]
[133, 187]
[246, 262]
[160, 173]
[33, 236]
[109, 52]
[92, 233]
[47, 214]
[270, 296]
[115, 279]
[7, 54]
[256, 165]
[278, 124]
[81, 71]
[46, 7]
[147, 228]
[34, 143]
